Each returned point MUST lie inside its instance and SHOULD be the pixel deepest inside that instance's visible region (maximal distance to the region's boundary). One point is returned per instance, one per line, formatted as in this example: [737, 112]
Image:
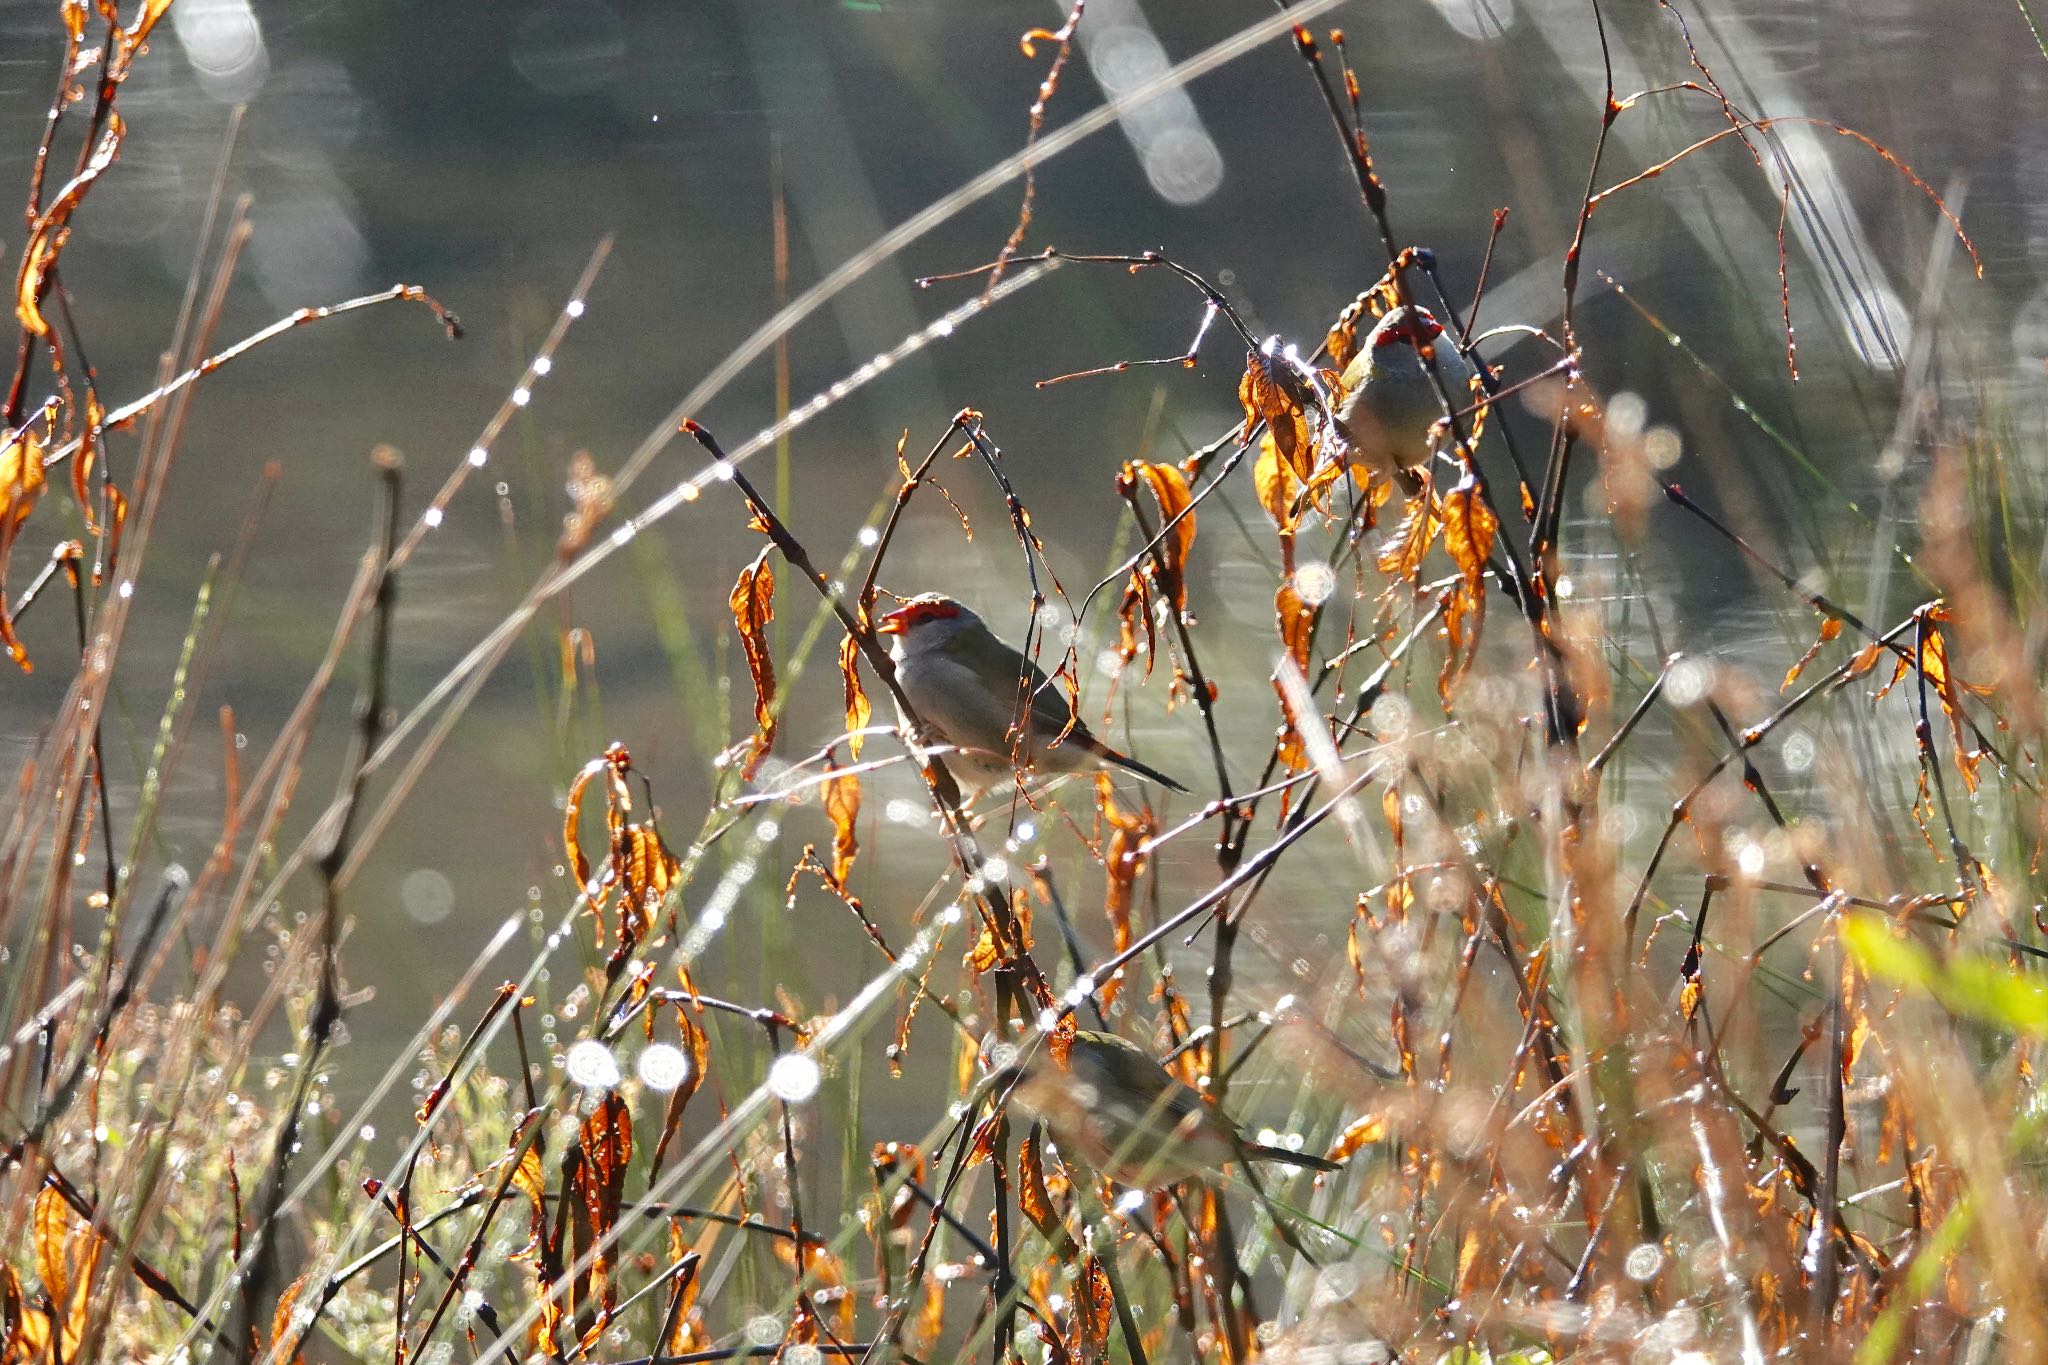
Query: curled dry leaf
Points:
[530, 1178]
[1948, 689]
[858, 708]
[1122, 864]
[984, 955]
[1469, 530]
[637, 864]
[842, 807]
[1829, 630]
[47, 234]
[66, 1253]
[647, 872]
[21, 483]
[1276, 485]
[572, 814]
[697, 1047]
[1295, 620]
[825, 1284]
[1036, 1201]
[600, 1182]
[1133, 619]
[1342, 342]
[753, 607]
[281, 1345]
[1060, 1041]
[84, 461]
[1273, 393]
[1167, 571]
[885, 1161]
[1093, 1312]
[1404, 552]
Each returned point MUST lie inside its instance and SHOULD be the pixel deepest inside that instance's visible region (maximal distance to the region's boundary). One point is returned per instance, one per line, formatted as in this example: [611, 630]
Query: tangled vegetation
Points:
[1671, 1011]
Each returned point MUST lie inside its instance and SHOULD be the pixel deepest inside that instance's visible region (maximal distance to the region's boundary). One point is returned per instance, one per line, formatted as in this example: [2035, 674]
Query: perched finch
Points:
[1390, 402]
[1125, 1115]
[968, 687]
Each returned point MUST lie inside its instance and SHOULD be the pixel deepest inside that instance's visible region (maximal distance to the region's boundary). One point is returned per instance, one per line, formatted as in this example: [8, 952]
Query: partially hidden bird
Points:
[1390, 402]
[968, 687]
[1119, 1110]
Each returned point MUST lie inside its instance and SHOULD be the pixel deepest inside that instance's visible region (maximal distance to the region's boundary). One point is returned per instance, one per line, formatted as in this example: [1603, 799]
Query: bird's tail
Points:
[1150, 774]
[1259, 1151]
[1092, 745]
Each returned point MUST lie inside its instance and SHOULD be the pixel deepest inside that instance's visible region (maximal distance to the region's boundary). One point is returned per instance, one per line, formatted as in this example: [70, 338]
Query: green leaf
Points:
[1971, 986]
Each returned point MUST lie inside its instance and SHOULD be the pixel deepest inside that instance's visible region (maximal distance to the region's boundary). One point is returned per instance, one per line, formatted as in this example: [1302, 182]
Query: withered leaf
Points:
[48, 233]
[753, 607]
[1122, 863]
[1093, 1312]
[1134, 617]
[1060, 1042]
[1035, 1201]
[1272, 393]
[1934, 665]
[1168, 570]
[82, 463]
[842, 807]
[1403, 554]
[1295, 620]
[1469, 527]
[858, 709]
[21, 484]
[984, 955]
[66, 1254]
[1276, 486]
[281, 1322]
[608, 763]
[1829, 629]
[607, 1150]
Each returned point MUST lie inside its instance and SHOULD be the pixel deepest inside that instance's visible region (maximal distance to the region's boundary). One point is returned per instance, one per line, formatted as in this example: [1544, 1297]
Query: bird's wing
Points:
[999, 668]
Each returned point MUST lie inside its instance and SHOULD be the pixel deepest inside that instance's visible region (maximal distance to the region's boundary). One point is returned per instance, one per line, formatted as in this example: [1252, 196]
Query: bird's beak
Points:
[893, 622]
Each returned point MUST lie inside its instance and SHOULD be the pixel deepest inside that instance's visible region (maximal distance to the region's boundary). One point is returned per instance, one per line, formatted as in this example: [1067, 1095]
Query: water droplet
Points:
[793, 1078]
[591, 1064]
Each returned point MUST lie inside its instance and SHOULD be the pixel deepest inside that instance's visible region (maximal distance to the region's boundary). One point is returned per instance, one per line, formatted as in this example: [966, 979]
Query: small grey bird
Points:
[966, 685]
[1127, 1116]
[1390, 402]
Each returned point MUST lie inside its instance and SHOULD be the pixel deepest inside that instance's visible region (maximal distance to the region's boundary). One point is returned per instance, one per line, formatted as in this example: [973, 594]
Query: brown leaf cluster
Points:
[638, 865]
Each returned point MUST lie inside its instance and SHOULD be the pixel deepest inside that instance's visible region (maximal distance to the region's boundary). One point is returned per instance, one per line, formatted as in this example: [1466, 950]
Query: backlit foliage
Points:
[1686, 1009]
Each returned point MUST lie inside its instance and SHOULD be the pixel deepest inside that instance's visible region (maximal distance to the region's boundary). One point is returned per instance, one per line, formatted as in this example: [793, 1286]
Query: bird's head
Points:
[926, 622]
[1404, 326]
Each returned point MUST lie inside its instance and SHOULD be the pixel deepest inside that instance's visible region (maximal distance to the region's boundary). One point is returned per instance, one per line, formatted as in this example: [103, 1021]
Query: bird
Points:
[1115, 1107]
[965, 686]
[1390, 402]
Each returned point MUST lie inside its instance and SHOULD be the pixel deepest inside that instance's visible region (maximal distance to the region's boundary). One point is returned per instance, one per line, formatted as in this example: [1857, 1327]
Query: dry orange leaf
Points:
[607, 1149]
[1272, 393]
[858, 708]
[1276, 485]
[842, 807]
[1168, 571]
[753, 607]
[281, 1322]
[1829, 629]
[66, 1253]
[21, 483]
[47, 234]
[1469, 527]
[1403, 554]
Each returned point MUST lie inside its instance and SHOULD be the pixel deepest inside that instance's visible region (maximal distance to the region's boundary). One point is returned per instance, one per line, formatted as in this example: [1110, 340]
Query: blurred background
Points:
[484, 151]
